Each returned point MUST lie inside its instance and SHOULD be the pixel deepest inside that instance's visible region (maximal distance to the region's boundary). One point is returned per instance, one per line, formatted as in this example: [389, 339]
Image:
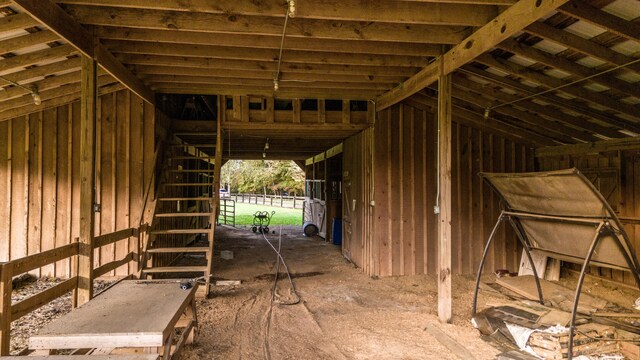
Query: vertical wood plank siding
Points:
[39, 167]
[401, 237]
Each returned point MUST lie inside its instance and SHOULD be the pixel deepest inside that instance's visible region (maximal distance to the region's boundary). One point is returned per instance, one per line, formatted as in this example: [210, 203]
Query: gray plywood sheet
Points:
[563, 194]
[130, 314]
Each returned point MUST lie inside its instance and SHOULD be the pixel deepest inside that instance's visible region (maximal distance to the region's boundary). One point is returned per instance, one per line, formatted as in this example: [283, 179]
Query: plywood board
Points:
[130, 314]
[526, 286]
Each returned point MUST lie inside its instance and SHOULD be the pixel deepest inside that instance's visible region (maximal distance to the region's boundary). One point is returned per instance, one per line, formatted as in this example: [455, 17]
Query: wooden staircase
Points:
[184, 220]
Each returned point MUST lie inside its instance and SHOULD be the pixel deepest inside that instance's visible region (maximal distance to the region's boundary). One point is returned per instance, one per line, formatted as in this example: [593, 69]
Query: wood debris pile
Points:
[542, 330]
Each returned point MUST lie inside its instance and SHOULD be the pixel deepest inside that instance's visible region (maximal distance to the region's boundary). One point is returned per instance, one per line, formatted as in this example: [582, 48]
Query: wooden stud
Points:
[6, 273]
[444, 216]
[346, 111]
[297, 108]
[87, 153]
[270, 110]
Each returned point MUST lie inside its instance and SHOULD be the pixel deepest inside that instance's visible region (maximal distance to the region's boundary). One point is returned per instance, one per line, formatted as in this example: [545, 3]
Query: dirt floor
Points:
[343, 314]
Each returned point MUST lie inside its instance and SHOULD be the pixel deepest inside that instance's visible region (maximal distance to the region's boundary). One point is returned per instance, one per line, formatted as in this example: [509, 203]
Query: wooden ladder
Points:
[186, 211]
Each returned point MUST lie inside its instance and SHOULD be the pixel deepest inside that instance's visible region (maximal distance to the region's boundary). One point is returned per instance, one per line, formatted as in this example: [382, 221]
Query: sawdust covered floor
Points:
[343, 314]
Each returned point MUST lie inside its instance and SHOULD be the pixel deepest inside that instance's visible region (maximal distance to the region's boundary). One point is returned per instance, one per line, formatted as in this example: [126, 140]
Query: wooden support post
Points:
[6, 273]
[297, 108]
[322, 111]
[215, 203]
[346, 111]
[270, 110]
[88, 100]
[444, 217]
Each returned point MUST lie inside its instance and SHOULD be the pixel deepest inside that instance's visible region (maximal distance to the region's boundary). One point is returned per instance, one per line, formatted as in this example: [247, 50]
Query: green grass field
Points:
[283, 216]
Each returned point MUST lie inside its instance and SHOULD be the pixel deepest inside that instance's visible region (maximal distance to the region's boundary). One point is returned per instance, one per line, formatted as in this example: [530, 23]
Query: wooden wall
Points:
[617, 175]
[403, 232]
[39, 166]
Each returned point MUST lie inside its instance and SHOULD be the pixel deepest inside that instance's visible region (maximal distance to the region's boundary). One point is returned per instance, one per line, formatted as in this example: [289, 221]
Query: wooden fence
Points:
[292, 202]
[10, 312]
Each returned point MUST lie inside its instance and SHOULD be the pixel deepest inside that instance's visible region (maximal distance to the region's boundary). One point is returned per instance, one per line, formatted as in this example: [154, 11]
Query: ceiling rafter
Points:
[582, 45]
[563, 64]
[342, 10]
[575, 106]
[581, 10]
[19, 62]
[53, 17]
[508, 23]
[205, 63]
[545, 110]
[472, 119]
[267, 41]
[552, 128]
[549, 82]
[264, 25]
[17, 22]
[28, 40]
[242, 53]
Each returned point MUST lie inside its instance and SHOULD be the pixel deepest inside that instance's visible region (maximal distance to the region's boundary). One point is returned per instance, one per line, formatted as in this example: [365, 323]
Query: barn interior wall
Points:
[617, 175]
[397, 235]
[39, 168]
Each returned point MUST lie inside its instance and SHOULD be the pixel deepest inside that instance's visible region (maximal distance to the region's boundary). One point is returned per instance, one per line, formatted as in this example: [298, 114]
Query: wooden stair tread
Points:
[184, 214]
[191, 249]
[185, 199]
[175, 269]
[180, 231]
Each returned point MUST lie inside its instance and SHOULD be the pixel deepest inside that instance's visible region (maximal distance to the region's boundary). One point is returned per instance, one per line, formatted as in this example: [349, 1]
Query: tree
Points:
[258, 176]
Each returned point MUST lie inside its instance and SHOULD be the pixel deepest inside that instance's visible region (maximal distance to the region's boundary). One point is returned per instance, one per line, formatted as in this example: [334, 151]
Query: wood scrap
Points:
[589, 339]
[455, 347]
[558, 295]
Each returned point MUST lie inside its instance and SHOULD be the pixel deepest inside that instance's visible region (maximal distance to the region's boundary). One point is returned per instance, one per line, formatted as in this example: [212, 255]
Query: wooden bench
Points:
[132, 317]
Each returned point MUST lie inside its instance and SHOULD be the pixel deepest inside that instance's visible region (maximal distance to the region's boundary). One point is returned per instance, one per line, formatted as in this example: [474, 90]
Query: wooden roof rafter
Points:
[508, 23]
[411, 12]
[54, 18]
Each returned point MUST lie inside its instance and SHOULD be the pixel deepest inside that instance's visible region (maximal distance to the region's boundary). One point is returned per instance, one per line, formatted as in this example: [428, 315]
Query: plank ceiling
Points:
[350, 49]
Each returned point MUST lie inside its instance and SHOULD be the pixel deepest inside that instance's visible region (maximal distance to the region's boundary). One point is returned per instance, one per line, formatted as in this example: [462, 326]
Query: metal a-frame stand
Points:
[604, 227]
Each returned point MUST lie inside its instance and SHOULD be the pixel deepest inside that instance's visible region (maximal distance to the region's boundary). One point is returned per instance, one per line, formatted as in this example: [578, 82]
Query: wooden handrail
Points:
[33, 302]
[110, 238]
[44, 258]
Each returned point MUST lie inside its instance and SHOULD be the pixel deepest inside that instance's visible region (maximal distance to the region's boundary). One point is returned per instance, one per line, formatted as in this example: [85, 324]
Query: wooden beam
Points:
[167, 80]
[629, 143]
[61, 23]
[42, 71]
[582, 45]
[245, 53]
[444, 182]
[582, 10]
[150, 71]
[284, 92]
[28, 40]
[342, 10]
[263, 25]
[551, 112]
[270, 66]
[88, 101]
[21, 61]
[574, 106]
[55, 102]
[551, 82]
[505, 25]
[17, 22]
[267, 41]
[571, 67]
